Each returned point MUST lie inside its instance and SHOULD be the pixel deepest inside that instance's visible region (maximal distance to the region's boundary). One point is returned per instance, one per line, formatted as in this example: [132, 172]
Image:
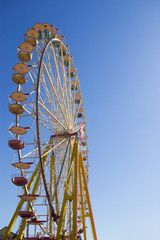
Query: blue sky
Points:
[116, 49]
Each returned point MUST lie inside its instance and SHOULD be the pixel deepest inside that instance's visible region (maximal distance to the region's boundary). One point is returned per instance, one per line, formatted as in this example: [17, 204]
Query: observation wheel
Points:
[49, 141]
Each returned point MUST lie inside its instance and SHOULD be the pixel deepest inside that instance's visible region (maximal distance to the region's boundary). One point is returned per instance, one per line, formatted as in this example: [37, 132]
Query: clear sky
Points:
[116, 49]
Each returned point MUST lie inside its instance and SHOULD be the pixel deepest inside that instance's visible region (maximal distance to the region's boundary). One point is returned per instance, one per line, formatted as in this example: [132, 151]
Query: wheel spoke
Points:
[54, 91]
[52, 115]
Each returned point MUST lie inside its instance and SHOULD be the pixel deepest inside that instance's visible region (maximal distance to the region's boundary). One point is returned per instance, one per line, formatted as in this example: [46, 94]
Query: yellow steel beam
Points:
[82, 200]
[75, 195]
[65, 198]
[55, 187]
[52, 162]
[88, 198]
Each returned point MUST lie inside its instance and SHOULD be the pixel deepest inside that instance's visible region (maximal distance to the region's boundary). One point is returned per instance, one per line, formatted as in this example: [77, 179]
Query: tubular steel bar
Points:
[90, 215]
[74, 159]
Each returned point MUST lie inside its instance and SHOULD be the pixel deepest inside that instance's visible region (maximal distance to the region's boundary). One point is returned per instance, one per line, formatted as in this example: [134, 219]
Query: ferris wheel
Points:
[49, 141]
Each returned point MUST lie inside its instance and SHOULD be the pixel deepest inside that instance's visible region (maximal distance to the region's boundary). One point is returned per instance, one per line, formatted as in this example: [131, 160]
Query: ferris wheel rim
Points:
[38, 126]
[38, 120]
